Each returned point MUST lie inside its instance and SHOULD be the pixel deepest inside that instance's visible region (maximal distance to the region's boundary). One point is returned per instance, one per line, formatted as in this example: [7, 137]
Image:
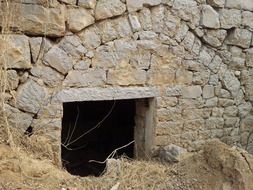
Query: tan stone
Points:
[87, 78]
[38, 20]
[79, 18]
[109, 8]
[191, 92]
[126, 77]
[161, 76]
[15, 51]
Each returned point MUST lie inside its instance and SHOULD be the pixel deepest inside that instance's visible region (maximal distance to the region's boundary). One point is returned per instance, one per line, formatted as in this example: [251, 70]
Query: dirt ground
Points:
[216, 167]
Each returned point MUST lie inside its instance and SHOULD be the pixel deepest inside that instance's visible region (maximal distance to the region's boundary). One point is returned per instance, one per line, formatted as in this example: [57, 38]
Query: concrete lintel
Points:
[111, 93]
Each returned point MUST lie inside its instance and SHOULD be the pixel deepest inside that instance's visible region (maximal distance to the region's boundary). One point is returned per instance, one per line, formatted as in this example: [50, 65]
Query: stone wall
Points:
[198, 54]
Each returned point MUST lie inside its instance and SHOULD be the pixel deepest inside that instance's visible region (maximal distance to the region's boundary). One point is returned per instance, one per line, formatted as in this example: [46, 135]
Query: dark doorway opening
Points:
[92, 130]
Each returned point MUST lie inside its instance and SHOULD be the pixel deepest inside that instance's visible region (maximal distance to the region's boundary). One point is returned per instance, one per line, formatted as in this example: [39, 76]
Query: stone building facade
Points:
[193, 58]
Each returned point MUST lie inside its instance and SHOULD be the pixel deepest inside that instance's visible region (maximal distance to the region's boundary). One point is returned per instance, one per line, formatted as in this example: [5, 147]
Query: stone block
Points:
[215, 38]
[240, 4]
[78, 19]
[30, 97]
[208, 91]
[58, 59]
[50, 77]
[38, 20]
[15, 51]
[209, 17]
[88, 78]
[231, 83]
[230, 18]
[174, 91]
[247, 19]
[191, 92]
[109, 8]
[240, 37]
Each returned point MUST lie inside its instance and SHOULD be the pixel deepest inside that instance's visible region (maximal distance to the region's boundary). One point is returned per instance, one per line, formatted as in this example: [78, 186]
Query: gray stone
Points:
[232, 122]
[181, 32]
[145, 18]
[240, 4]
[247, 19]
[87, 78]
[231, 83]
[172, 26]
[174, 91]
[58, 59]
[249, 85]
[109, 8]
[212, 102]
[79, 19]
[110, 93]
[214, 79]
[209, 18]
[230, 18]
[216, 3]
[208, 91]
[215, 38]
[18, 119]
[188, 41]
[15, 52]
[246, 124]
[240, 37]
[214, 66]
[217, 112]
[206, 56]
[214, 122]
[191, 92]
[171, 153]
[122, 27]
[244, 109]
[187, 10]
[147, 35]
[107, 31]
[30, 97]
[134, 21]
[82, 65]
[72, 46]
[224, 102]
[157, 17]
[231, 111]
[89, 4]
[90, 37]
[249, 57]
[50, 77]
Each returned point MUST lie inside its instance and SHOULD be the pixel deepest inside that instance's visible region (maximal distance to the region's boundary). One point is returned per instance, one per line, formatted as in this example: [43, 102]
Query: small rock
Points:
[171, 153]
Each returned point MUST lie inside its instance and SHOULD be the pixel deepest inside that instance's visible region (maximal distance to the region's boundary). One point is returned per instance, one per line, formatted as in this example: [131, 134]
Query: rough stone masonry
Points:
[198, 54]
